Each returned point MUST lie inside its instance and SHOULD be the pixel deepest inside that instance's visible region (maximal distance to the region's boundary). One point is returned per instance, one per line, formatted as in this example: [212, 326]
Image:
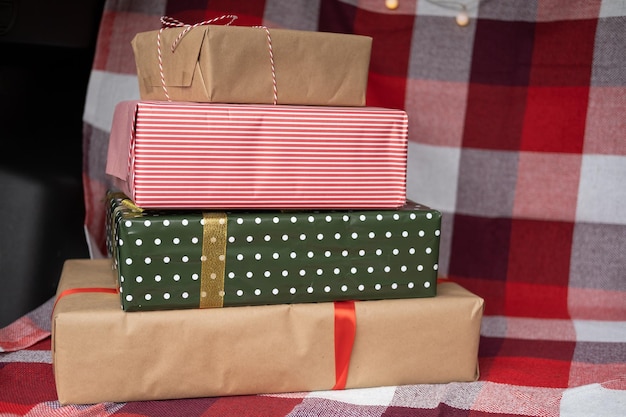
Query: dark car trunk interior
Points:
[46, 54]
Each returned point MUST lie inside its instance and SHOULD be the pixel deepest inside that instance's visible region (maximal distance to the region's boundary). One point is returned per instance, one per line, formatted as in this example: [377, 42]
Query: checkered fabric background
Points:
[517, 129]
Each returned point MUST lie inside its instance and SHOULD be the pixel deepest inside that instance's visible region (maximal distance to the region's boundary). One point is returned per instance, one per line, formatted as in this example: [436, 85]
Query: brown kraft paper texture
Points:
[101, 353]
[232, 64]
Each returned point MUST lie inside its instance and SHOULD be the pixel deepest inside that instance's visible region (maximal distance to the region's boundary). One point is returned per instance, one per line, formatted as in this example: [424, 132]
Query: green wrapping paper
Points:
[169, 259]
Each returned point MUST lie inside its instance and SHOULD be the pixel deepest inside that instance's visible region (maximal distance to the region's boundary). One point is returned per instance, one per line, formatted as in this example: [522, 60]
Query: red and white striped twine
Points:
[269, 45]
[169, 22]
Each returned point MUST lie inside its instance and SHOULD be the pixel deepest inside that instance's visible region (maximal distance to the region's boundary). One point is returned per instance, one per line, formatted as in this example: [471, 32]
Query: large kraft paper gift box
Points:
[234, 64]
[209, 155]
[101, 353]
[168, 259]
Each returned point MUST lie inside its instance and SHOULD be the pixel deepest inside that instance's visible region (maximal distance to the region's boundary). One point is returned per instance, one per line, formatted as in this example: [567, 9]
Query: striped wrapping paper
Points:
[207, 155]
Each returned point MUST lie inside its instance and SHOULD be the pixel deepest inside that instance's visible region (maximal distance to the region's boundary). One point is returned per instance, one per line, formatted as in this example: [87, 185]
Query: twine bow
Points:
[169, 22]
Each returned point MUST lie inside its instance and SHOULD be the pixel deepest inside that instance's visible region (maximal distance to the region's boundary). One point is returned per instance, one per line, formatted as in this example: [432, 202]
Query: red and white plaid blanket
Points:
[517, 129]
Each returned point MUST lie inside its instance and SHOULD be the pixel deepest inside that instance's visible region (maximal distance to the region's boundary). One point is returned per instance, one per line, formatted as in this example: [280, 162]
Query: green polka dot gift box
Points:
[173, 259]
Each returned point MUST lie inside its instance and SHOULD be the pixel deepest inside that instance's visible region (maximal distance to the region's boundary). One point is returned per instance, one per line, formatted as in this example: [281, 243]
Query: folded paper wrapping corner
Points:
[101, 353]
[231, 64]
[214, 155]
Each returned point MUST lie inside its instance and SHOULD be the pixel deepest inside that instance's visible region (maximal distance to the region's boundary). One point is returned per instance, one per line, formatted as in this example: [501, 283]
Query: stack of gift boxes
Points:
[260, 238]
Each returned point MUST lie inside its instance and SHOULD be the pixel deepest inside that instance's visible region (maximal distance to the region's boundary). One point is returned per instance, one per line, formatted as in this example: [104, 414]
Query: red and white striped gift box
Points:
[208, 155]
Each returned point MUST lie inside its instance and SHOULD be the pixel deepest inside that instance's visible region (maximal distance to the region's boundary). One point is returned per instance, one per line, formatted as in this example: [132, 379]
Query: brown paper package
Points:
[231, 64]
[101, 353]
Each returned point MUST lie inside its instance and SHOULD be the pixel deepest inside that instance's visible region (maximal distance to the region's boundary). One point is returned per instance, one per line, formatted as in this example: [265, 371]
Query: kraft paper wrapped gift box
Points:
[209, 155]
[101, 353]
[232, 64]
[169, 259]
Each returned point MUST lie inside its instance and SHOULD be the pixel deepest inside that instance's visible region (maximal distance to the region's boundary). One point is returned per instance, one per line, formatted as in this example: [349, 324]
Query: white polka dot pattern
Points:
[276, 257]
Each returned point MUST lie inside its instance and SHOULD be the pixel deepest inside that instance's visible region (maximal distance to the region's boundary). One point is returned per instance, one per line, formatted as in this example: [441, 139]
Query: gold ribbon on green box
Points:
[213, 259]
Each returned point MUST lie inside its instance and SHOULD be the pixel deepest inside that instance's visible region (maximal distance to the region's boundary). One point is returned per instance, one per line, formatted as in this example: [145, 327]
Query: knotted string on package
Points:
[168, 22]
